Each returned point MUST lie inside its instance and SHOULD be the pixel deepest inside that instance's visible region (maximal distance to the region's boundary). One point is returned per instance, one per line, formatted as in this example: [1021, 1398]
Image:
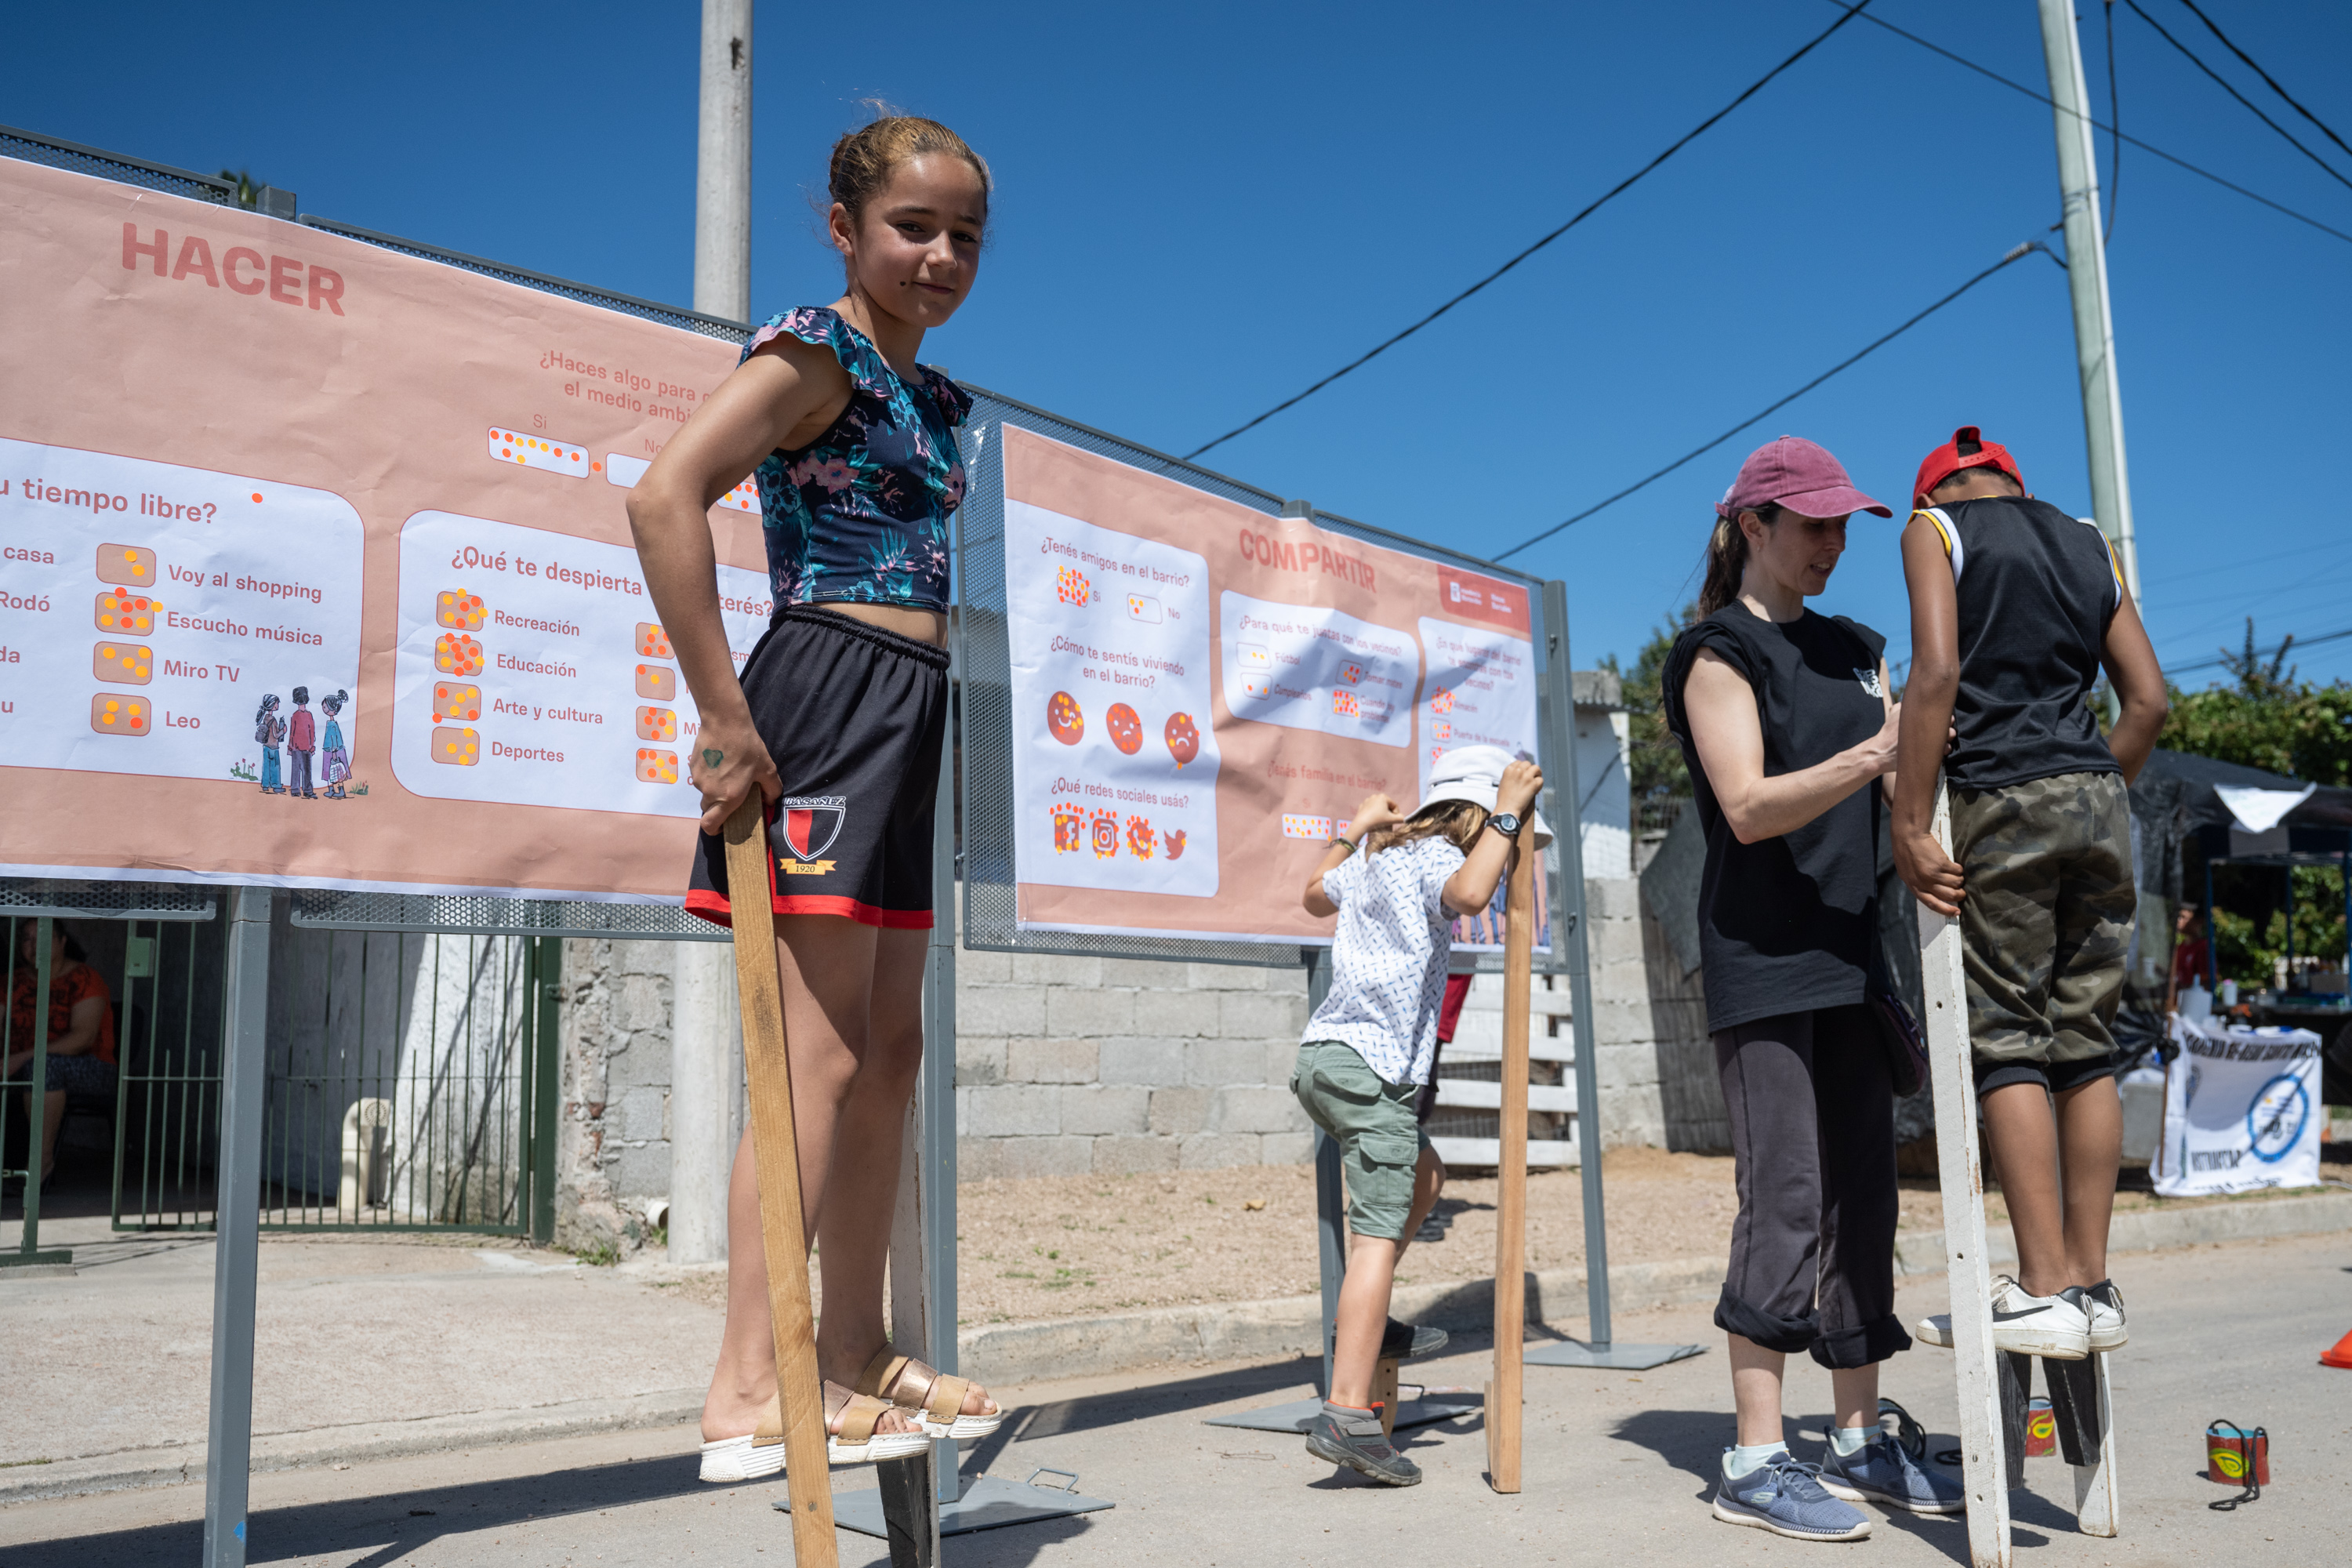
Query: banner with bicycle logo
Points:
[2241, 1111]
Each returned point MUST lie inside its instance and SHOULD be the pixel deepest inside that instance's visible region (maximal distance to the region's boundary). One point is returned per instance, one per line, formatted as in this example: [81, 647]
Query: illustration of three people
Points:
[304, 739]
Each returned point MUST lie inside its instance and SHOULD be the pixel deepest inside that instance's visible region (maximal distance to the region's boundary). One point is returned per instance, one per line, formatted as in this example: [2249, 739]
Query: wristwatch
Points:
[1504, 823]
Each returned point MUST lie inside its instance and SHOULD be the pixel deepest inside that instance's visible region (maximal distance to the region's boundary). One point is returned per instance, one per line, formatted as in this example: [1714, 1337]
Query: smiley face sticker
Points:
[1064, 721]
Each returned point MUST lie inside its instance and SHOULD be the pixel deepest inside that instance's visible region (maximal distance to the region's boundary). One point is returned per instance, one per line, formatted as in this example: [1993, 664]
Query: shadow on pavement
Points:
[394, 1524]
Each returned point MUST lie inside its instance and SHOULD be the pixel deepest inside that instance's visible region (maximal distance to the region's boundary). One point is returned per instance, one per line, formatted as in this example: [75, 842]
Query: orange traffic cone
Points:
[2341, 1357]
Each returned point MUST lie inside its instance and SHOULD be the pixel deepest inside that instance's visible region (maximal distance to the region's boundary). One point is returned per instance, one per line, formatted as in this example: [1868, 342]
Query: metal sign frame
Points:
[991, 870]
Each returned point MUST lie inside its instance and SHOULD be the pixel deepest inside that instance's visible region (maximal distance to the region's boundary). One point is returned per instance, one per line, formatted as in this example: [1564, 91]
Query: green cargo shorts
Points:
[2045, 924]
[1380, 1137]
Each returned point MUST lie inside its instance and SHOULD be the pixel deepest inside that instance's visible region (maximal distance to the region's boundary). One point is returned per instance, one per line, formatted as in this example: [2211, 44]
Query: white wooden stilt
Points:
[1984, 1469]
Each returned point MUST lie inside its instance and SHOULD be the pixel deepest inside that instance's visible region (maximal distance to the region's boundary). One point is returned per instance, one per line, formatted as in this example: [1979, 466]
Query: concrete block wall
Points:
[1071, 1065]
[1065, 1066]
[1653, 1057]
[613, 1107]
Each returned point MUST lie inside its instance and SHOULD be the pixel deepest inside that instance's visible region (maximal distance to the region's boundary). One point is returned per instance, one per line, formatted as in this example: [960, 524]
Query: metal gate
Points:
[411, 1076]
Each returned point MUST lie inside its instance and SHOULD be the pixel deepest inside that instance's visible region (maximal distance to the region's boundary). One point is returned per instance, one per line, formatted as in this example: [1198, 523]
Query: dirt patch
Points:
[1065, 1247]
[1069, 1245]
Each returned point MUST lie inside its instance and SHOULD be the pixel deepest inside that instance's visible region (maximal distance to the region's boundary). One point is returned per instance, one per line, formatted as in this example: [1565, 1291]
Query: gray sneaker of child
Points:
[1344, 1435]
[1880, 1471]
[1785, 1496]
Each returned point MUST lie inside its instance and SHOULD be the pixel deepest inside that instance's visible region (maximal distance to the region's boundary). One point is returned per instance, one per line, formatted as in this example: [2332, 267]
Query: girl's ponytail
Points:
[1727, 558]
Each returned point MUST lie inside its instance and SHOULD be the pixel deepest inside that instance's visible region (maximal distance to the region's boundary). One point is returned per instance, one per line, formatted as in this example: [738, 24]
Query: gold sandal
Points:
[855, 1443]
[933, 1397]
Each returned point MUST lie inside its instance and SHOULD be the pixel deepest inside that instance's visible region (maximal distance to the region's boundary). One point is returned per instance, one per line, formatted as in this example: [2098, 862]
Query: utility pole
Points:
[2086, 279]
[706, 1045]
[722, 182]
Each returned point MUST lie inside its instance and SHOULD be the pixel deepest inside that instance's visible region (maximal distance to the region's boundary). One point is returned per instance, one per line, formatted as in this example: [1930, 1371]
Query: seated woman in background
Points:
[81, 1031]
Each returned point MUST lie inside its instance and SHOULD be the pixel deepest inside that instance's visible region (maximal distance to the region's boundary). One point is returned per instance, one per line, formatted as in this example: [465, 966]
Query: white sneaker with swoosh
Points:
[2055, 1327]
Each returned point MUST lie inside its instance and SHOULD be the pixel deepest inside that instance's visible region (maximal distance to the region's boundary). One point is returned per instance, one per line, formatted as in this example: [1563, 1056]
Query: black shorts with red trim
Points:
[855, 717]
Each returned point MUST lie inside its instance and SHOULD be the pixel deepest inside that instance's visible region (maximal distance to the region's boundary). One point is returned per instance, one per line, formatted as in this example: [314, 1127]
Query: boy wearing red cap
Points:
[2015, 608]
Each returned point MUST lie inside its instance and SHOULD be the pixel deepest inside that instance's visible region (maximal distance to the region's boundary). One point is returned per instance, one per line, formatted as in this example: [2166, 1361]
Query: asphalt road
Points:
[1618, 1466]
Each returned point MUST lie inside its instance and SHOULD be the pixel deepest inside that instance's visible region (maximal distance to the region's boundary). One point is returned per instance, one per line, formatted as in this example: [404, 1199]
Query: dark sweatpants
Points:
[1813, 1141]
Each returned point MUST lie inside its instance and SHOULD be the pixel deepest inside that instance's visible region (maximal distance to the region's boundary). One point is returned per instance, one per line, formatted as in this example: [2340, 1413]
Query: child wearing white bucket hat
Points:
[1368, 1050]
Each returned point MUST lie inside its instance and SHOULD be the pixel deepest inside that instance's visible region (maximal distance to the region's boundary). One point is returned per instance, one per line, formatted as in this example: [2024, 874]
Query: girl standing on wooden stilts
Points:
[838, 719]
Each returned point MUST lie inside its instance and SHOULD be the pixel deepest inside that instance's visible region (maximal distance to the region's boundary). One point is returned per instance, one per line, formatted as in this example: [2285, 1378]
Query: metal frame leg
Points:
[237, 1205]
[1566, 792]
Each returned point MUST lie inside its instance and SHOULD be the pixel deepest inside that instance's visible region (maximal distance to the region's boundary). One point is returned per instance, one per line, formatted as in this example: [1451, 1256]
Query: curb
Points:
[182, 1463]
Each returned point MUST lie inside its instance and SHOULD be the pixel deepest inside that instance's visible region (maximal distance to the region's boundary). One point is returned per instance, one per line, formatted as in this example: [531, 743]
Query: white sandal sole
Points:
[879, 1447]
[732, 1459]
[963, 1428]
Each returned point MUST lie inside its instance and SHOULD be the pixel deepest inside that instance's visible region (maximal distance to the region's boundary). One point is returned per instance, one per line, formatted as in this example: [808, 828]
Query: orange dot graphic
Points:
[257, 496]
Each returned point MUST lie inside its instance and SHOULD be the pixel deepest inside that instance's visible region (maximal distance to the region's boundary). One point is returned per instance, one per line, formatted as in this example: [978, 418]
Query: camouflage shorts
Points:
[2046, 921]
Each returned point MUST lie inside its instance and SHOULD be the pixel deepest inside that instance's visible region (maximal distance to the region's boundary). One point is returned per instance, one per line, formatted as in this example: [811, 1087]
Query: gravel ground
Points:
[1065, 1247]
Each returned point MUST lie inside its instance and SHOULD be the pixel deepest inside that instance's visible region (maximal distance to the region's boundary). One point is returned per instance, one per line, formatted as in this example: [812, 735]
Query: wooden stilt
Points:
[1384, 1393]
[1511, 1172]
[775, 1147]
[2086, 1436]
[1984, 1468]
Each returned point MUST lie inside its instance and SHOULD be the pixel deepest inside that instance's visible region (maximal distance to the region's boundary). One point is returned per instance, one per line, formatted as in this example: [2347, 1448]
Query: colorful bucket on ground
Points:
[2041, 1429]
[2234, 1456]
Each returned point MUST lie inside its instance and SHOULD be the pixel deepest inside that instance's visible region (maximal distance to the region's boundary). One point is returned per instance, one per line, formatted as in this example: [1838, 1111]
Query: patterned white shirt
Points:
[1388, 956]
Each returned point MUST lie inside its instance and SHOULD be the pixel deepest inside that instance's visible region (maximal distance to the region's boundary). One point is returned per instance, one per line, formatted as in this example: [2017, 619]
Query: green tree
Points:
[248, 189]
[1655, 759]
[2267, 720]
[2249, 957]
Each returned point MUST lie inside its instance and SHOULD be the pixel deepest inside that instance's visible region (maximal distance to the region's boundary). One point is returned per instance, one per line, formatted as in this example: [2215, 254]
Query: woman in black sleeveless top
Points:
[1785, 719]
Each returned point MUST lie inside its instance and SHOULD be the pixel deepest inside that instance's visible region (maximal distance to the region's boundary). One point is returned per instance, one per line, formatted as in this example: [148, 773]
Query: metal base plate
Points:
[1293, 1416]
[1609, 1357]
[987, 1503]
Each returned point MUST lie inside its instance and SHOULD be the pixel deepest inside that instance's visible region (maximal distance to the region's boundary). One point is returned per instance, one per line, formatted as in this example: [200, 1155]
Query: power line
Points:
[2264, 652]
[2147, 147]
[2222, 83]
[2267, 76]
[2115, 118]
[1620, 188]
[2017, 253]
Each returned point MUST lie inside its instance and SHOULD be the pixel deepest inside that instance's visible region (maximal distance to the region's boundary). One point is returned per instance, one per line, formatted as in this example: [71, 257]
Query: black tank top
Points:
[2036, 591]
[1785, 924]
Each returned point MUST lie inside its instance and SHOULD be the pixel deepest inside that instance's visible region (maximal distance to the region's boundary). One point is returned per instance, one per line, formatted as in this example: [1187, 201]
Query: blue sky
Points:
[1199, 213]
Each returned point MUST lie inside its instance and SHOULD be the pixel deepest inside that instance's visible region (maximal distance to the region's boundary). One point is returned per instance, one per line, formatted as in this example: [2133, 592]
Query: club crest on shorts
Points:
[1869, 679]
[808, 825]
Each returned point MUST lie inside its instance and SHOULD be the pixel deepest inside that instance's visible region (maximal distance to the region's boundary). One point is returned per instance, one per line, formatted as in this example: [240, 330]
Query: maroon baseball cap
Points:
[1799, 475]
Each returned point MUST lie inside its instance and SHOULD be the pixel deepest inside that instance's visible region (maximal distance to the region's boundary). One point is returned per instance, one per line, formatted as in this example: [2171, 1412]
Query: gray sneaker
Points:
[1787, 1497]
[1881, 1472]
[1353, 1437]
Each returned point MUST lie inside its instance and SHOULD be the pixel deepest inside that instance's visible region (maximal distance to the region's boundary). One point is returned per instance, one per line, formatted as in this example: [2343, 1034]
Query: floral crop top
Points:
[861, 512]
